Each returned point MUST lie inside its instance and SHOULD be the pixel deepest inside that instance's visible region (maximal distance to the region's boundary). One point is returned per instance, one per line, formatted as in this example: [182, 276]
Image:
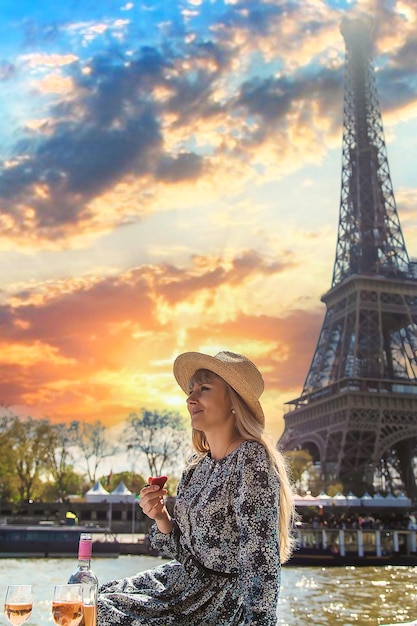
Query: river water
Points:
[345, 596]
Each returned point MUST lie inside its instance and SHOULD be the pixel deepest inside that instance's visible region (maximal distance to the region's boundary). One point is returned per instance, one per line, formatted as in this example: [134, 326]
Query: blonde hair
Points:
[250, 429]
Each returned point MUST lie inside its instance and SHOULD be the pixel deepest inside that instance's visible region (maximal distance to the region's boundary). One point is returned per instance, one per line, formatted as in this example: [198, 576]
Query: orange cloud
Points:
[102, 348]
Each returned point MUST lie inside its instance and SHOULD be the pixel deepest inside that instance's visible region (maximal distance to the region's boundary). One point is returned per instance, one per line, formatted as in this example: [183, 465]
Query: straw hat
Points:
[238, 372]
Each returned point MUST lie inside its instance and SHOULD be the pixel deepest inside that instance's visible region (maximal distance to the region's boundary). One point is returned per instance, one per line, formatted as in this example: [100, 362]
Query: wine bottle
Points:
[85, 575]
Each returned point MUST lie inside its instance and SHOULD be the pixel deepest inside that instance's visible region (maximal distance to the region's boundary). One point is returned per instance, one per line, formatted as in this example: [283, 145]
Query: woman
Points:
[233, 513]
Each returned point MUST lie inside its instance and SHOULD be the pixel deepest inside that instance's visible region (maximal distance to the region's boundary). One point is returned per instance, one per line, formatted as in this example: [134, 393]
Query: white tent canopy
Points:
[352, 500]
[323, 499]
[121, 494]
[340, 500]
[402, 500]
[97, 493]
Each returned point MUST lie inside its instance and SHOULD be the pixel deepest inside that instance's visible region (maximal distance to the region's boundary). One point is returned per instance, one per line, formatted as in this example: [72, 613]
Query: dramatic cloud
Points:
[170, 179]
[114, 125]
[80, 337]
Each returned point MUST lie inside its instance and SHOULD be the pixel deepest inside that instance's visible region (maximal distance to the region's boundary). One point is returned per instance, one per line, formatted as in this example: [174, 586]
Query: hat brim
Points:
[185, 366]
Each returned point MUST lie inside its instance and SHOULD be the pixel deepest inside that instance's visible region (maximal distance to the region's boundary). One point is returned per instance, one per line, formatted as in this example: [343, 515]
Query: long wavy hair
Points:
[250, 429]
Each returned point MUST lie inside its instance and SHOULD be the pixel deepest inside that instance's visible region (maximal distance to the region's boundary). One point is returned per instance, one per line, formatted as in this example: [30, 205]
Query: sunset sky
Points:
[170, 176]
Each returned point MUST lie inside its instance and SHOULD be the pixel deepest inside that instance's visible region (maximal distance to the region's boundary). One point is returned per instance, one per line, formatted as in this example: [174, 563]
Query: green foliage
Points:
[8, 476]
[35, 460]
[58, 461]
[133, 481]
[334, 488]
[37, 457]
[72, 484]
[31, 442]
[299, 461]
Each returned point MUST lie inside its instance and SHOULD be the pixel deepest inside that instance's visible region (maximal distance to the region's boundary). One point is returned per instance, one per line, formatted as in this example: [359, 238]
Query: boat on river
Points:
[328, 547]
[357, 547]
[54, 541]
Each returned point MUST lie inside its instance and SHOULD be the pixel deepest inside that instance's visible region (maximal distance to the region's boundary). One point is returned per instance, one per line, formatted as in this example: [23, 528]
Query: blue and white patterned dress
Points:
[225, 546]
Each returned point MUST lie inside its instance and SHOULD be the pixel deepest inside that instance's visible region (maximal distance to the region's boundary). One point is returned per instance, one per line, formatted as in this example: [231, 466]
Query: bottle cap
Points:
[85, 548]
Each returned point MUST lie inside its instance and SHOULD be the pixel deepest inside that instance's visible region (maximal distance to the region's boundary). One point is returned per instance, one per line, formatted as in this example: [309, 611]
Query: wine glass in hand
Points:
[18, 604]
[67, 605]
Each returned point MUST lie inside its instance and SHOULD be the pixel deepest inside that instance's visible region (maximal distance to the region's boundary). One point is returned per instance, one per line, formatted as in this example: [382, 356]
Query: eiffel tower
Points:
[357, 413]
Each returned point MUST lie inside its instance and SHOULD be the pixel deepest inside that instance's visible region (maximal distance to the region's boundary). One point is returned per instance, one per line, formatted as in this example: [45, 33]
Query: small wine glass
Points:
[67, 605]
[18, 604]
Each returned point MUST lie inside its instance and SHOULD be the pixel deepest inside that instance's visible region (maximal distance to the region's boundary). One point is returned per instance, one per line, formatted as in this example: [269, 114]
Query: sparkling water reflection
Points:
[310, 595]
[348, 596]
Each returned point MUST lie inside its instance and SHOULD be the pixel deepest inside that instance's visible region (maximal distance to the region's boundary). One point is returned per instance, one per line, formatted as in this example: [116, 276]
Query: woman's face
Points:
[208, 402]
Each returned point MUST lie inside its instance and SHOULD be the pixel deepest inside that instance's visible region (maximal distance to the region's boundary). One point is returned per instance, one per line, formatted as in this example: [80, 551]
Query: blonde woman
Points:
[233, 515]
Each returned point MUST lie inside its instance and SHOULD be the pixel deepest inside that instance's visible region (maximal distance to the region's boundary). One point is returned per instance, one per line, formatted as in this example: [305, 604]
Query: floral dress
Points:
[225, 546]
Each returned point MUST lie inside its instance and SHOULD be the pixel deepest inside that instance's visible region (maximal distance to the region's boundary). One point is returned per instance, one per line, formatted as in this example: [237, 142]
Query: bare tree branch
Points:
[91, 440]
[159, 436]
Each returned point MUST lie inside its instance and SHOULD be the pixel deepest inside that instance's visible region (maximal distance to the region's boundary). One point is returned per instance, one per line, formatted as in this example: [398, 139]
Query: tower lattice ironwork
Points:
[357, 413]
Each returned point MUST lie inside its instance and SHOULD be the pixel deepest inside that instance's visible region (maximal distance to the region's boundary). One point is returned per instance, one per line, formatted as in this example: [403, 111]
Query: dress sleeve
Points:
[168, 543]
[257, 510]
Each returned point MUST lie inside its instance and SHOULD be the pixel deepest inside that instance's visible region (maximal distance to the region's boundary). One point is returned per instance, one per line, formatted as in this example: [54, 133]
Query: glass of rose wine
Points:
[18, 604]
[67, 605]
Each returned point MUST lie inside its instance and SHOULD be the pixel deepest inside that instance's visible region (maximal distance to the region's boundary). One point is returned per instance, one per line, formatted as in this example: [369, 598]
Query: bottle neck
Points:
[85, 548]
[84, 563]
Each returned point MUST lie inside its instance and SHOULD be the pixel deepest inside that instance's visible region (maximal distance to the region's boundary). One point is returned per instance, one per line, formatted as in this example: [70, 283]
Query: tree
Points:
[159, 436]
[93, 444]
[334, 488]
[8, 474]
[133, 481]
[58, 462]
[298, 461]
[50, 491]
[30, 441]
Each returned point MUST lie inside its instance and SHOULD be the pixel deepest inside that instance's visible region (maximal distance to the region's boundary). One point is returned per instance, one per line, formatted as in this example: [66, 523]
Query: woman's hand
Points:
[152, 501]
[153, 505]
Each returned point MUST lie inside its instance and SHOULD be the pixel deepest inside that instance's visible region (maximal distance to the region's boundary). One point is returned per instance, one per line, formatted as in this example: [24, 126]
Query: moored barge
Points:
[356, 547]
[53, 541]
